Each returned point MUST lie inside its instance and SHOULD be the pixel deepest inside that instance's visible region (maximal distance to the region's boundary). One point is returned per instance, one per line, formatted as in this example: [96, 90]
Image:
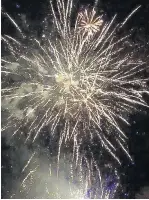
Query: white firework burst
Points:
[88, 23]
[75, 86]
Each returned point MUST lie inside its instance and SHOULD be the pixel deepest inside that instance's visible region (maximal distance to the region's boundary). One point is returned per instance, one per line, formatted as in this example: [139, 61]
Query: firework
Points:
[70, 181]
[78, 86]
[35, 173]
[88, 23]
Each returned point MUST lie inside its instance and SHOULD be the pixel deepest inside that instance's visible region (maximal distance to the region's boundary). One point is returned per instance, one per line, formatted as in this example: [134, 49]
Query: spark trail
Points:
[81, 181]
[82, 82]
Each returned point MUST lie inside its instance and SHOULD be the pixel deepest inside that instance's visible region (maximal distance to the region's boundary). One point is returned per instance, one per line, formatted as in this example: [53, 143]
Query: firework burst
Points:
[88, 23]
[76, 85]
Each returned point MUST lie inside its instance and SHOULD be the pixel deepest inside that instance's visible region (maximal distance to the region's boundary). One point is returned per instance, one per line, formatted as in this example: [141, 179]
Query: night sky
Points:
[134, 176]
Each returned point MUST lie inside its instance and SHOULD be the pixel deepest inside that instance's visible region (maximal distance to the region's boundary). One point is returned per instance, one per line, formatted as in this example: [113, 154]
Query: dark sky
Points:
[35, 9]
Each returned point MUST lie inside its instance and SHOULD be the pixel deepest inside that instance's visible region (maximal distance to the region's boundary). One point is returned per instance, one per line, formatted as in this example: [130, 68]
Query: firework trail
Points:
[35, 173]
[81, 82]
[39, 179]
